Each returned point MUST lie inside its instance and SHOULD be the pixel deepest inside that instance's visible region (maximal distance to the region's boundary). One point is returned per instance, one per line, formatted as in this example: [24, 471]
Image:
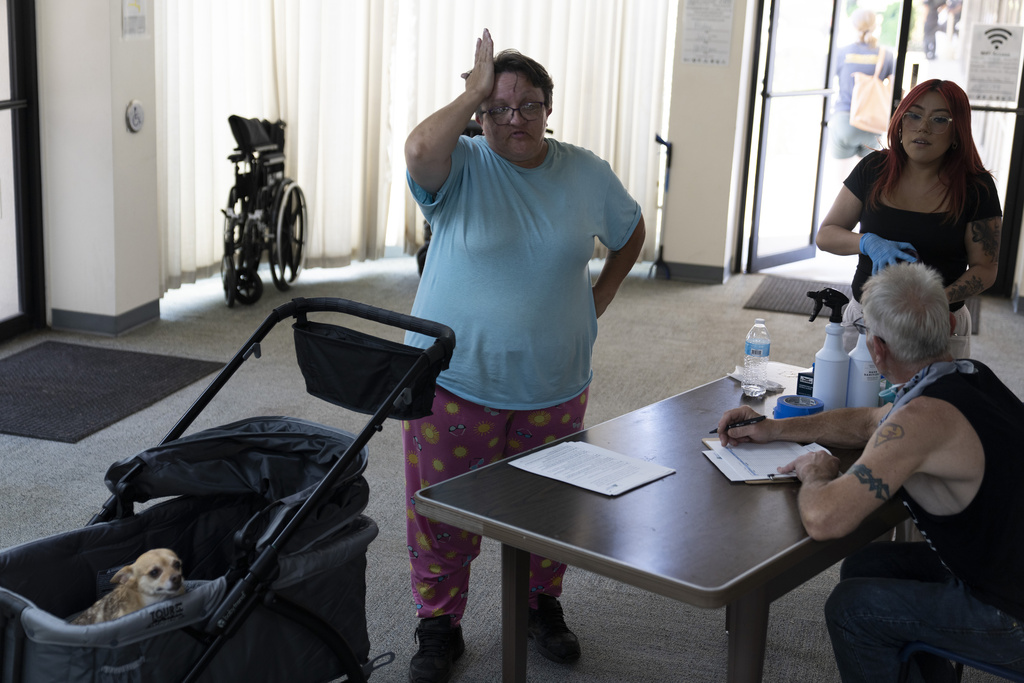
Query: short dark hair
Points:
[513, 61]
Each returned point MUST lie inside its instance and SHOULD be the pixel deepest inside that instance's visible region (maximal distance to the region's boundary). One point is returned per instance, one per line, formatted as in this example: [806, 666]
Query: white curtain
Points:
[352, 77]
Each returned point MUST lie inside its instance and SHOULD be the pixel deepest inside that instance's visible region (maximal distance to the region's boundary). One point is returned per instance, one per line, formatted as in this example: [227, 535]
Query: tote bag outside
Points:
[871, 103]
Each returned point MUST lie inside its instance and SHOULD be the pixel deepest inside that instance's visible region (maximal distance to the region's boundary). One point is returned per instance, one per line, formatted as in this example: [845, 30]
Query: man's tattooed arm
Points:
[864, 475]
[890, 431]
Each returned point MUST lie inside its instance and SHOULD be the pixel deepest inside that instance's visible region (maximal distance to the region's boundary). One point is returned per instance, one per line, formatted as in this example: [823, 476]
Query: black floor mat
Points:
[789, 296]
[65, 392]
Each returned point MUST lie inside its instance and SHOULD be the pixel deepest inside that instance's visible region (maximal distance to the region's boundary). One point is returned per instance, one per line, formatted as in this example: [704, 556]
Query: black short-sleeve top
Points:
[939, 244]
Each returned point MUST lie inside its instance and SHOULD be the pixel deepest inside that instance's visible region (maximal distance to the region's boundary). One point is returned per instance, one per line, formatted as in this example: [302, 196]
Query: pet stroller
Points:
[266, 515]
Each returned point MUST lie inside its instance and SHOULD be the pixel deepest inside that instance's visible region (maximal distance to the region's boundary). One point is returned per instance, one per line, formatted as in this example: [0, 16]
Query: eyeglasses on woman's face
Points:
[502, 116]
[937, 123]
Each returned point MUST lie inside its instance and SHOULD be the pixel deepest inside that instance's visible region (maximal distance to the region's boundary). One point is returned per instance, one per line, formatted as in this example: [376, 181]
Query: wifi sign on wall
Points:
[994, 68]
[998, 36]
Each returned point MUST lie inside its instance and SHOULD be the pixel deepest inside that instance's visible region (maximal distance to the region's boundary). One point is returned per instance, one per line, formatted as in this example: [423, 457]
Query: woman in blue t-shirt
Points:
[927, 197]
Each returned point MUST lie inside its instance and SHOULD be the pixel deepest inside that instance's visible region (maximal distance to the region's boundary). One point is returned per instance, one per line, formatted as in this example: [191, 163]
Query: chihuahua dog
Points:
[155, 576]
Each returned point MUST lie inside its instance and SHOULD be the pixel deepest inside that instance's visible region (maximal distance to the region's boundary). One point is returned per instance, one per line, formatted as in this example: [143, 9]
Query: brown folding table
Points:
[693, 536]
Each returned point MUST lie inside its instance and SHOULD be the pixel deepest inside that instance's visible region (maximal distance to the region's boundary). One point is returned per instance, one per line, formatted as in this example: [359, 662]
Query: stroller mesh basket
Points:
[267, 516]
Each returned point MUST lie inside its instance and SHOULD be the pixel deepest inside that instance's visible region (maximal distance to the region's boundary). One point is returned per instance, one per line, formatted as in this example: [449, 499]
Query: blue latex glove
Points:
[883, 252]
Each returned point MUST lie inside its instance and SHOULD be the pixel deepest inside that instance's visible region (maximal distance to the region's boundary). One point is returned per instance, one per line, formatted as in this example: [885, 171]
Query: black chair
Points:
[959, 661]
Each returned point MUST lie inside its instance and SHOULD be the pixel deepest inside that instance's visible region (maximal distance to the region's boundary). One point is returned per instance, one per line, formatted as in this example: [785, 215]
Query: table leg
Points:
[747, 620]
[515, 595]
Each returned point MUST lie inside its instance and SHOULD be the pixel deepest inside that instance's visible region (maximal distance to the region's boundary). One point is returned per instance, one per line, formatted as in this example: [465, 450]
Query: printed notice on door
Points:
[993, 71]
[707, 32]
[133, 19]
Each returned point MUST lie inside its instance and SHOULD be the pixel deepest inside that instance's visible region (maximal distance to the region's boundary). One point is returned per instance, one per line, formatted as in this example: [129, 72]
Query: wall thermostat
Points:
[135, 116]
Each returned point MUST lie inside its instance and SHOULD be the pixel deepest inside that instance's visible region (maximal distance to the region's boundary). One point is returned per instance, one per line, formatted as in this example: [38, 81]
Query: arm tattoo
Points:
[967, 286]
[875, 484]
[986, 233]
[888, 432]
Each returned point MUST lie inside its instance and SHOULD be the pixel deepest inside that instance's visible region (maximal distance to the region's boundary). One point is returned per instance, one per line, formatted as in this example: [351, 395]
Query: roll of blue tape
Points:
[794, 406]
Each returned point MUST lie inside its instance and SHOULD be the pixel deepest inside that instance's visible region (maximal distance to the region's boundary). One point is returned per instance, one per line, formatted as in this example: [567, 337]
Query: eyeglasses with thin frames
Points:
[937, 124]
[862, 328]
[530, 111]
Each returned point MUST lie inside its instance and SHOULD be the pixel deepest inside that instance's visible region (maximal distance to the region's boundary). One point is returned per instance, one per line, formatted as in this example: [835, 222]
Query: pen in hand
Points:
[744, 423]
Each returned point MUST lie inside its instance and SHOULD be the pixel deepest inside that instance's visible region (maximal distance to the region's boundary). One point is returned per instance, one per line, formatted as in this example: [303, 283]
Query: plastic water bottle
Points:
[755, 360]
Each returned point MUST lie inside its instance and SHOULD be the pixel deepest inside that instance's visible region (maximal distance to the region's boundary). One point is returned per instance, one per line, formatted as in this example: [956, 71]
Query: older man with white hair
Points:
[950, 448]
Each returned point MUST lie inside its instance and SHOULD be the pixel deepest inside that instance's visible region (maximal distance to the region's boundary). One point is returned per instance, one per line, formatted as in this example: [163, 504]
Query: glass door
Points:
[792, 101]
[10, 304]
[797, 174]
[21, 273]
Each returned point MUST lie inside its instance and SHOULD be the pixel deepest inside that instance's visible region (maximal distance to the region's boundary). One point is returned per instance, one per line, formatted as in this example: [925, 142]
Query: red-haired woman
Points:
[926, 198]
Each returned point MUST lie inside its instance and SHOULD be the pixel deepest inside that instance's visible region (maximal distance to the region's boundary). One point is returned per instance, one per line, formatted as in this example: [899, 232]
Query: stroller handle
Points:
[442, 333]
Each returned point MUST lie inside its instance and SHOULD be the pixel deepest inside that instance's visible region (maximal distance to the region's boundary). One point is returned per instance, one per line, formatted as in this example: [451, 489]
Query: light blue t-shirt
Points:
[508, 270]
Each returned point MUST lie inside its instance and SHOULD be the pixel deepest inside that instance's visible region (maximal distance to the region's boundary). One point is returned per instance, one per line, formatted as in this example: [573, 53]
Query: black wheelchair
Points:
[266, 212]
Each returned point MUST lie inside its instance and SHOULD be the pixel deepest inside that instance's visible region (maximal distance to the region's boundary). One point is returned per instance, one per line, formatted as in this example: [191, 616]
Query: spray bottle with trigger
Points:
[831, 363]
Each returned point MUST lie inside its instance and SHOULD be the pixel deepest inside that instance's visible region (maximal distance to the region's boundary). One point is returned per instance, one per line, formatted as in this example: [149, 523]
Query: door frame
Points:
[761, 89]
[24, 108]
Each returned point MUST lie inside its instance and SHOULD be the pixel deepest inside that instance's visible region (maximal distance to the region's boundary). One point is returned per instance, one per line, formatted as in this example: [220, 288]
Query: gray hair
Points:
[906, 306]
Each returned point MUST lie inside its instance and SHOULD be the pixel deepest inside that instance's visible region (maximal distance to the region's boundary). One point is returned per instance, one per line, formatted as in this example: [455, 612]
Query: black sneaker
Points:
[554, 639]
[440, 646]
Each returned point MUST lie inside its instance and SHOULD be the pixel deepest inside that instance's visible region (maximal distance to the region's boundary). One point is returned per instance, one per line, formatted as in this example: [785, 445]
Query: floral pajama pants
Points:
[462, 436]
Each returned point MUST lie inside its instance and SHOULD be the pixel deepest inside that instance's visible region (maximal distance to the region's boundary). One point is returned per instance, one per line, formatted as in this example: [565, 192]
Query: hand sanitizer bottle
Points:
[863, 384]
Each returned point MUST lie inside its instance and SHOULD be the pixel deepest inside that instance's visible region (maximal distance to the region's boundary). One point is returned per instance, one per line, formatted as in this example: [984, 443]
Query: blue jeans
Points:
[890, 594]
[845, 141]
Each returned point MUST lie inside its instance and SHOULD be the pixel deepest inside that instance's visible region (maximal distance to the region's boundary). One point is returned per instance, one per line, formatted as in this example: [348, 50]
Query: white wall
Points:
[707, 128]
[99, 180]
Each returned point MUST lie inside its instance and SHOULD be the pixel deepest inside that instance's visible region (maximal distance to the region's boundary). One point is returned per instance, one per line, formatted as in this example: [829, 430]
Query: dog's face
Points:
[156, 575]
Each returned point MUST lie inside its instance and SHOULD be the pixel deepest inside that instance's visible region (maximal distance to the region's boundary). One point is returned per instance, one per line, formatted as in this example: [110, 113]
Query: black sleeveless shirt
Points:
[983, 545]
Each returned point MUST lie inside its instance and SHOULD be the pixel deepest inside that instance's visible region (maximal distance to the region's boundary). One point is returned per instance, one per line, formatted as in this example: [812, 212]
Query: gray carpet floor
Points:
[658, 338]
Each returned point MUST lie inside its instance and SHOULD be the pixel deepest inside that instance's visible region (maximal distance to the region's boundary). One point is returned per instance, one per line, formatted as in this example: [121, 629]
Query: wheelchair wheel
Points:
[287, 255]
[248, 285]
[232, 239]
[229, 278]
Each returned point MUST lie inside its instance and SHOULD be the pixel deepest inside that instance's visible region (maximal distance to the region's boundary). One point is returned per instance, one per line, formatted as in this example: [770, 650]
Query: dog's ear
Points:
[122, 575]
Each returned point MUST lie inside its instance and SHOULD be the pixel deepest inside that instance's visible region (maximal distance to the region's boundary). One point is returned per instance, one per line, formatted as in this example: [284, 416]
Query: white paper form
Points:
[756, 461]
[592, 467]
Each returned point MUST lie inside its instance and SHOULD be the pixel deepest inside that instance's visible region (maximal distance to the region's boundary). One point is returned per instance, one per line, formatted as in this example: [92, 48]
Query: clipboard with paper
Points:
[756, 463]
